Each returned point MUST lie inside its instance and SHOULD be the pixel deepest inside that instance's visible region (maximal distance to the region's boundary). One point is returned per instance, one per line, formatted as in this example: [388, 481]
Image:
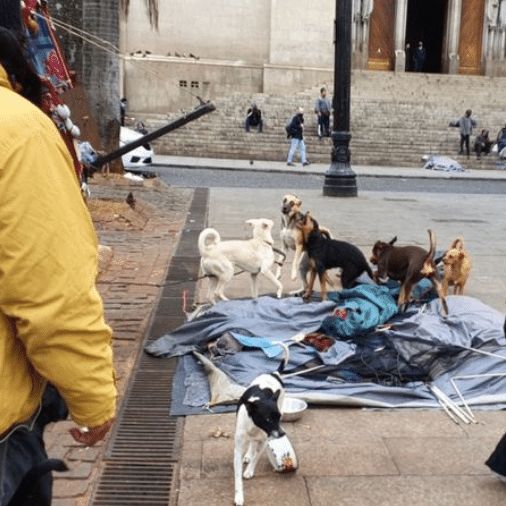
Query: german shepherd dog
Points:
[325, 253]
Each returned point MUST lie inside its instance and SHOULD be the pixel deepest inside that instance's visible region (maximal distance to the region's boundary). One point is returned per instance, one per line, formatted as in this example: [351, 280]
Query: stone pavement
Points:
[360, 457]
[347, 456]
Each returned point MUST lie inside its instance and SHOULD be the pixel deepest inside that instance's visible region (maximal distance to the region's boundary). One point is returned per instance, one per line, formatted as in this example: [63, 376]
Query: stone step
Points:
[395, 120]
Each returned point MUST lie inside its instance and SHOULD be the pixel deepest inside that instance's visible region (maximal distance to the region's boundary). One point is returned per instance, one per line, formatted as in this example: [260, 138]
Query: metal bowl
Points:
[292, 409]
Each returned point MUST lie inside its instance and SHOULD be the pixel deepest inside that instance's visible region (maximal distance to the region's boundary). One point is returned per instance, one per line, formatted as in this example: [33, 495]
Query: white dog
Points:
[255, 256]
[258, 417]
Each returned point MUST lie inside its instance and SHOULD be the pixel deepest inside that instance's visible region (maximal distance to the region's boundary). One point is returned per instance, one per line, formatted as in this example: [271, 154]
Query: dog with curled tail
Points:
[256, 256]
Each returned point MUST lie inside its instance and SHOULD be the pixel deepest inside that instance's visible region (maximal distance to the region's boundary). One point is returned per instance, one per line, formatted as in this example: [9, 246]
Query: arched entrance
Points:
[426, 22]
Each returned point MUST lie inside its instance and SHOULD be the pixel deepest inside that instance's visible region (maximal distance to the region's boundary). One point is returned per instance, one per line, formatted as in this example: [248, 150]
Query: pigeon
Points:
[130, 200]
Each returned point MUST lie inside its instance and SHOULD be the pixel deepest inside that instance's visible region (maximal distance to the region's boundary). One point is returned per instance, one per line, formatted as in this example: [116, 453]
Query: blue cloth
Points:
[264, 343]
[360, 310]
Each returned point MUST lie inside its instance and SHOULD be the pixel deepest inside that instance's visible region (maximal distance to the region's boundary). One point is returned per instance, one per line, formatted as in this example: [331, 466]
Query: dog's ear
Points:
[393, 241]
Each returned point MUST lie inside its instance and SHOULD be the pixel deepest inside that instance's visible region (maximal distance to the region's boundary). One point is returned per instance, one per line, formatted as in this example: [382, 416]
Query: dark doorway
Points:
[426, 22]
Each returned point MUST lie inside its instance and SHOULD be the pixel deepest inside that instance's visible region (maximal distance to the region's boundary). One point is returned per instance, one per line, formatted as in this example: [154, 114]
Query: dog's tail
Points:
[458, 243]
[434, 277]
[432, 244]
[208, 238]
[286, 356]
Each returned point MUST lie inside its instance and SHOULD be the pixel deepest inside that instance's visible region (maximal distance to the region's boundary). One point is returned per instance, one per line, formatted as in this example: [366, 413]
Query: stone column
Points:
[453, 30]
[401, 15]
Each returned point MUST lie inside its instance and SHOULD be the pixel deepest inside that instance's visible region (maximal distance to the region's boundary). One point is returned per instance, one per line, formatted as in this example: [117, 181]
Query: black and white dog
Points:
[258, 417]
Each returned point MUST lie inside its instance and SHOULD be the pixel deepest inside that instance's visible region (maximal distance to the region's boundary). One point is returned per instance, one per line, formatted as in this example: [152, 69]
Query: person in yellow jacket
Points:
[52, 326]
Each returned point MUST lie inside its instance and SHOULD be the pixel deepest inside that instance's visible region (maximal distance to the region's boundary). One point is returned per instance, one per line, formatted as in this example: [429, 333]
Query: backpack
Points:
[289, 129]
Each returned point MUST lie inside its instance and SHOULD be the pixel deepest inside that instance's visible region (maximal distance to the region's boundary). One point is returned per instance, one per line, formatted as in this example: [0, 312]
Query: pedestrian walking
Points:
[52, 326]
[466, 125]
[295, 130]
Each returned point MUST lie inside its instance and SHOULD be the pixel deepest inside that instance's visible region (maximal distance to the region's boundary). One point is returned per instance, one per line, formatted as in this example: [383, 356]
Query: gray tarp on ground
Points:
[385, 369]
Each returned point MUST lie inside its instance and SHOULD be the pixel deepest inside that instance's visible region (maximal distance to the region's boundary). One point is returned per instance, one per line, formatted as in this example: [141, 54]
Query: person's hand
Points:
[92, 435]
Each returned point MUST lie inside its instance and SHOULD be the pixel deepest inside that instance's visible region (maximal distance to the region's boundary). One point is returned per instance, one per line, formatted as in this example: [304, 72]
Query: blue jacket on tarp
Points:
[360, 310]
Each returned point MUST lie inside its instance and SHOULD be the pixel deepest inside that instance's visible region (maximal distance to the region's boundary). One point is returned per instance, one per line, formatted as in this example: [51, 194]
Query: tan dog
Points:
[291, 237]
[457, 266]
[256, 256]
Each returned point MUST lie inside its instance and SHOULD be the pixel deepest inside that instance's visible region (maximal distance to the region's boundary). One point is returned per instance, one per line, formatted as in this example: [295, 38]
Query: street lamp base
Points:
[340, 182]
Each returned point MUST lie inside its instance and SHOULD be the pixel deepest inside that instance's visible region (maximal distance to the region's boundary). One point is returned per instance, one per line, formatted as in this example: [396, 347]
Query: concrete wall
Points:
[302, 33]
[251, 46]
[161, 85]
[213, 29]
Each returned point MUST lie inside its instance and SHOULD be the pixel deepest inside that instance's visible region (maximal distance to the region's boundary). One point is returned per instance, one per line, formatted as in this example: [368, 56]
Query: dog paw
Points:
[239, 501]
[248, 474]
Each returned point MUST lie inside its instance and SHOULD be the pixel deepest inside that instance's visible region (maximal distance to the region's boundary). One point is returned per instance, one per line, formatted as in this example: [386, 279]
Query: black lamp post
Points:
[340, 180]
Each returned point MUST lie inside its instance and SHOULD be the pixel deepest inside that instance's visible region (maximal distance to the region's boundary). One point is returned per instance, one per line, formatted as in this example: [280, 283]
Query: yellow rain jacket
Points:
[51, 316]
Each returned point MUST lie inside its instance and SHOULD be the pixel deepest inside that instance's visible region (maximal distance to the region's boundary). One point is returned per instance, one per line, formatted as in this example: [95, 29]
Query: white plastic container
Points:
[281, 454]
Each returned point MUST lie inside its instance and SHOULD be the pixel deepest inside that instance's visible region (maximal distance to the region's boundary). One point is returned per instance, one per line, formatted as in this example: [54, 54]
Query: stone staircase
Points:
[395, 120]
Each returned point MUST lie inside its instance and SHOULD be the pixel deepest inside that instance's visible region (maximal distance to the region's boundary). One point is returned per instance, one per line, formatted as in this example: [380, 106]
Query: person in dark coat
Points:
[296, 131]
[419, 57]
[497, 460]
[253, 118]
[482, 143]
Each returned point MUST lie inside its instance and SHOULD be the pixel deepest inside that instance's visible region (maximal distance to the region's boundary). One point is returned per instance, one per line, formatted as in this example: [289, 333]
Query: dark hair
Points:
[18, 68]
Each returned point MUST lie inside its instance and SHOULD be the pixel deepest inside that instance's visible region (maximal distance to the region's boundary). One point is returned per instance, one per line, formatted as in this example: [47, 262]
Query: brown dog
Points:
[407, 264]
[457, 267]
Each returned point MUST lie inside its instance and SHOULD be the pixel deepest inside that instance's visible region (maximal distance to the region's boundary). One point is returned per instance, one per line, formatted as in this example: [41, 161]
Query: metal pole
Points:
[183, 120]
[340, 180]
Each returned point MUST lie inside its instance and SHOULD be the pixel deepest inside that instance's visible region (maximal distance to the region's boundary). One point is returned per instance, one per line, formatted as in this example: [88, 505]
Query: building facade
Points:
[217, 47]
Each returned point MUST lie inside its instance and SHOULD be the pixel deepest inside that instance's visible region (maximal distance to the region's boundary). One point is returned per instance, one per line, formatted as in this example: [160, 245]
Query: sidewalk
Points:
[347, 456]
[356, 457]
[319, 169]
